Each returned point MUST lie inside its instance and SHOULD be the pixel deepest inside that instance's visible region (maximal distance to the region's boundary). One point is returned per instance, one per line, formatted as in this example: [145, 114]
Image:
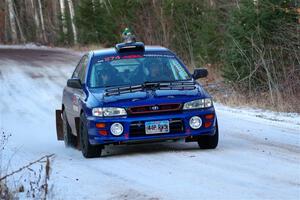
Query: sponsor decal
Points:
[75, 108]
[111, 58]
[133, 56]
[75, 102]
[159, 55]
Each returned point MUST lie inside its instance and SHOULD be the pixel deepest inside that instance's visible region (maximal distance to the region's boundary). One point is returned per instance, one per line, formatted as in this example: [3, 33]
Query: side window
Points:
[81, 69]
[77, 69]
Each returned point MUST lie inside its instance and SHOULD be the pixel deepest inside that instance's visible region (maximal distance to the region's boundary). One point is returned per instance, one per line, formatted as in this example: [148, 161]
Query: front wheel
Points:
[88, 150]
[209, 141]
[69, 139]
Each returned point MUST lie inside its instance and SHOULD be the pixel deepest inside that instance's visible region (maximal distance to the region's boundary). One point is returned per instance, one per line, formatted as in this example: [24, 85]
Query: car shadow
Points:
[149, 148]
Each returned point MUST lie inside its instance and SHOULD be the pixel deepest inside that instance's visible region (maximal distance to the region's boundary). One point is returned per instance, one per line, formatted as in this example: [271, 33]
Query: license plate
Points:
[156, 127]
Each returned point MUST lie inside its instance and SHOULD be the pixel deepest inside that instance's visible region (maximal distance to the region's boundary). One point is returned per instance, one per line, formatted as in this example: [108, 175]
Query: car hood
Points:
[149, 97]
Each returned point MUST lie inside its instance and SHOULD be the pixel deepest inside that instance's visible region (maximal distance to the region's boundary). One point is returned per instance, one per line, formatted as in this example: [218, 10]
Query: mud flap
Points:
[59, 125]
[77, 124]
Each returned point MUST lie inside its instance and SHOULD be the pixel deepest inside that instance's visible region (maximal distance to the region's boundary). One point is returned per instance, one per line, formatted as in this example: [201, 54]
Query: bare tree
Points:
[42, 21]
[2, 22]
[63, 15]
[54, 13]
[72, 14]
[22, 37]
[36, 20]
[13, 27]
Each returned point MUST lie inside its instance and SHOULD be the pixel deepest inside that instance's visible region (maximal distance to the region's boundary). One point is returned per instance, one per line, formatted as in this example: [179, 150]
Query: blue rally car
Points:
[131, 94]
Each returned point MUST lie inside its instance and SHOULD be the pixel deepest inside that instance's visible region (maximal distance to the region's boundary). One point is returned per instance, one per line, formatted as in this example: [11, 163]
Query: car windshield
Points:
[135, 70]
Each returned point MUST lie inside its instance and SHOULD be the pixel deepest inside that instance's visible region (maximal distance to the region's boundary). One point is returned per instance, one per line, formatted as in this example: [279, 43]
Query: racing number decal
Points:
[75, 102]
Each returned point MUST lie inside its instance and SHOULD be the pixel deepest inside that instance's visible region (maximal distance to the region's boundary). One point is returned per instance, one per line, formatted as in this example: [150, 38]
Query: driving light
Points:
[109, 112]
[116, 129]
[195, 122]
[199, 103]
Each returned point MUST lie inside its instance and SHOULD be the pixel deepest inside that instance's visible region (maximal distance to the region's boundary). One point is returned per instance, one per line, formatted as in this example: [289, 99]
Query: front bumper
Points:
[130, 135]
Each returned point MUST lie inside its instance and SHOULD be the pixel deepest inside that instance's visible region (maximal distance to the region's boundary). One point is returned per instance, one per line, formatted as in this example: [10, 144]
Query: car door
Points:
[74, 95]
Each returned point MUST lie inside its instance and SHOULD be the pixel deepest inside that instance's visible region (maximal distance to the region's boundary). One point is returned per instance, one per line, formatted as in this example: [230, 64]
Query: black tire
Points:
[209, 141]
[69, 139]
[88, 150]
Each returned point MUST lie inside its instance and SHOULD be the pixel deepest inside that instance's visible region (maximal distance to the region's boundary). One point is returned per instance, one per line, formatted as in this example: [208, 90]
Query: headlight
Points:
[199, 103]
[108, 112]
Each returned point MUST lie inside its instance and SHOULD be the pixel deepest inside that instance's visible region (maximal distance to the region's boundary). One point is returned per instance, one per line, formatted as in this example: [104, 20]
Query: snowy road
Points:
[258, 156]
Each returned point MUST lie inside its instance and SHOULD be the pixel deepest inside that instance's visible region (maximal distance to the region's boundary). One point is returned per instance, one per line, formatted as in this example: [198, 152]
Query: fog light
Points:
[116, 129]
[195, 122]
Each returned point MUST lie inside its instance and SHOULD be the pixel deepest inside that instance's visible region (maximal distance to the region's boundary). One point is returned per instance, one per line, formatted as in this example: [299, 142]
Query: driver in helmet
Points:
[156, 72]
[105, 76]
[109, 75]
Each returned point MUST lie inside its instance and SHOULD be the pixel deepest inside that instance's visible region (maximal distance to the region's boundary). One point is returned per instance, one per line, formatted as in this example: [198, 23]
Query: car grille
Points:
[154, 108]
[137, 129]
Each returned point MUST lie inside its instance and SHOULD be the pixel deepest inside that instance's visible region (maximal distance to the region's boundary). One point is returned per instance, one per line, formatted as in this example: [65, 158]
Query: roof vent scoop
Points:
[129, 43]
[130, 47]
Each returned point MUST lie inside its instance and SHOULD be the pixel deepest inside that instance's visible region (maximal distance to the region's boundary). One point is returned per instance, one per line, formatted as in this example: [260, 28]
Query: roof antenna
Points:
[127, 36]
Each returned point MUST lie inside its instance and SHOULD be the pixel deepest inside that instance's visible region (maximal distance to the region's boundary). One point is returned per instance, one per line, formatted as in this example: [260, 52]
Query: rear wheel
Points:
[88, 150]
[209, 141]
[69, 139]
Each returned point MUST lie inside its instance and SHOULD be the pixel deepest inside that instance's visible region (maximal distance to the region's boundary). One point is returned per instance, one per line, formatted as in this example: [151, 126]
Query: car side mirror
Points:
[74, 83]
[200, 73]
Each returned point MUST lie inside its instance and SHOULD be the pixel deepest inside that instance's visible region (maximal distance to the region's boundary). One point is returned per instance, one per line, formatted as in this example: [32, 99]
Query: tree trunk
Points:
[72, 14]
[2, 23]
[22, 38]
[36, 21]
[63, 15]
[7, 27]
[42, 21]
[55, 16]
[13, 27]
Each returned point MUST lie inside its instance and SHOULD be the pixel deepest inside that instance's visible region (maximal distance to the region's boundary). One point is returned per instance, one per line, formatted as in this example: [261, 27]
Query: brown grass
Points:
[234, 96]
[262, 101]
[88, 47]
[5, 193]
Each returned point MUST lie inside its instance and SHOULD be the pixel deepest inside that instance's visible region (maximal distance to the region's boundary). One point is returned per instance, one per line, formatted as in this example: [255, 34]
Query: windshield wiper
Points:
[153, 85]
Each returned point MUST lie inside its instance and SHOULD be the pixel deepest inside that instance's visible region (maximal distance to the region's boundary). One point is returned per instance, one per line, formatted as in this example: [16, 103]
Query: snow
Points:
[32, 46]
[25, 46]
[288, 118]
[258, 156]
